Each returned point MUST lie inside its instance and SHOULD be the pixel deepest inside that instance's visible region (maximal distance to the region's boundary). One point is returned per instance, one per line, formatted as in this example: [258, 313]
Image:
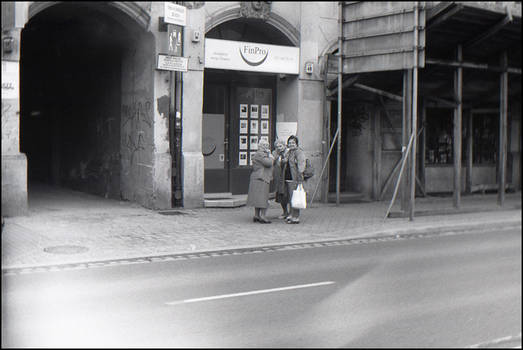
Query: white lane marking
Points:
[498, 340]
[261, 291]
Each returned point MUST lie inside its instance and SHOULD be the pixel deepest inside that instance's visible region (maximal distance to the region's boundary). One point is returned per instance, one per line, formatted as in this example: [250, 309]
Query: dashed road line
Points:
[253, 292]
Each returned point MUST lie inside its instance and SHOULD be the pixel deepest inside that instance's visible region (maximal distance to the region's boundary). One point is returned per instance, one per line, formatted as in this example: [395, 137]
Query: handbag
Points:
[309, 170]
[299, 198]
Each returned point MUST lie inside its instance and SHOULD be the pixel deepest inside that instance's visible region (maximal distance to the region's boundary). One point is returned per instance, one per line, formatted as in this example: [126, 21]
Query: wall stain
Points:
[163, 106]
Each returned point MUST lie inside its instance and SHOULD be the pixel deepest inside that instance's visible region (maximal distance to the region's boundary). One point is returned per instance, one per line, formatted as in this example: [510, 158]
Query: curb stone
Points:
[386, 235]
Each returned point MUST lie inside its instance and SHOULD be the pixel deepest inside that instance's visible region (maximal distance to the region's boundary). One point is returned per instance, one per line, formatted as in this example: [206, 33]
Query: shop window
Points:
[485, 138]
[439, 139]
[439, 147]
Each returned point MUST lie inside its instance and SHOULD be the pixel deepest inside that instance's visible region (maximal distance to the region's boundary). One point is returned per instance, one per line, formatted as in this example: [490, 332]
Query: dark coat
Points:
[296, 162]
[278, 172]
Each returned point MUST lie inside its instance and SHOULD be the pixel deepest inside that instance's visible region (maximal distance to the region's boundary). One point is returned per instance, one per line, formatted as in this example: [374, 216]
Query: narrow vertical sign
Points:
[174, 40]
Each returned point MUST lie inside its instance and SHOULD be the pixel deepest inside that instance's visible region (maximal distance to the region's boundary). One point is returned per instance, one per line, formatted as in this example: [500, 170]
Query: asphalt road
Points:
[444, 291]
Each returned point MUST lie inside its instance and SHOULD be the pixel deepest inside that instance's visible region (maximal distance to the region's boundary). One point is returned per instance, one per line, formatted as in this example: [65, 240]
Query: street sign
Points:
[175, 14]
[172, 63]
[174, 40]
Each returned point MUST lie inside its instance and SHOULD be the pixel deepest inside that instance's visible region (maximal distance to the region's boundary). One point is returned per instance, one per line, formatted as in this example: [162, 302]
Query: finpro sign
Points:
[254, 57]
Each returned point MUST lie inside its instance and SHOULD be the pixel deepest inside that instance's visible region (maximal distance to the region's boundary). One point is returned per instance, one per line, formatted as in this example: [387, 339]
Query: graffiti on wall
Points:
[134, 145]
[138, 111]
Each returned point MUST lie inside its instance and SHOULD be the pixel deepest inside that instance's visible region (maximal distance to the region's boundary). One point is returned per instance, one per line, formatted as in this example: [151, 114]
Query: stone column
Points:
[192, 99]
[311, 89]
[14, 163]
[162, 172]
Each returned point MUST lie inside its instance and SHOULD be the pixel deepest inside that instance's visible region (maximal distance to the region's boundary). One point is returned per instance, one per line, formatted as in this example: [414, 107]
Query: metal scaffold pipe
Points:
[340, 78]
[414, 112]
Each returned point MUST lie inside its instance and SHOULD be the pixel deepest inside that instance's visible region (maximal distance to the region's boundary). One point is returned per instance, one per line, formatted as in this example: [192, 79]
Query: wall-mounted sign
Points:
[245, 56]
[173, 63]
[286, 129]
[174, 14]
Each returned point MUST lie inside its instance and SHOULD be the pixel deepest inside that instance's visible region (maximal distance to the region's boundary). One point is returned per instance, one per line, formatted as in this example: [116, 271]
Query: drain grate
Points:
[66, 249]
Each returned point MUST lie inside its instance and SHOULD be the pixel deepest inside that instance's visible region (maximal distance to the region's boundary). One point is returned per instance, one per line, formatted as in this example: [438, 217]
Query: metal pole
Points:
[340, 78]
[178, 194]
[414, 113]
[403, 162]
[502, 159]
[458, 116]
[325, 164]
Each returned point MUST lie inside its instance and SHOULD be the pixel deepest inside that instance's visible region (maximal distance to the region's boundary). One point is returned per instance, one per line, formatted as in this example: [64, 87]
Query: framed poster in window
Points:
[265, 127]
[253, 142]
[251, 157]
[242, 161]
[244, 126]
[264, 138]
[254, 126]
[243, 110]
[244, 142]
[254, 111]
[265, 111]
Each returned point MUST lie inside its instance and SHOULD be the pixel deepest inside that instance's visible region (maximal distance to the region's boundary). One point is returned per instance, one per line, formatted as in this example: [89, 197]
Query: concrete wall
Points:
[360, 145]
[316, 20]
[137, 122]
[441, 178]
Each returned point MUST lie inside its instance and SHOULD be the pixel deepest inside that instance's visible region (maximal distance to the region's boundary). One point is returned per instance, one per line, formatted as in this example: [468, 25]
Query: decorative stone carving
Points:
[255, 9]
[193, 4]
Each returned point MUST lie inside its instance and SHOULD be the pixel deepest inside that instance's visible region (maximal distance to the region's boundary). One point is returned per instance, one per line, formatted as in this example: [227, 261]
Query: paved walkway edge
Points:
[388, 234]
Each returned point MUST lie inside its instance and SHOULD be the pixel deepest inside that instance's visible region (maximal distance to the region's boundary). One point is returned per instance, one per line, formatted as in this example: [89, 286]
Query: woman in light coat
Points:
[261, 176]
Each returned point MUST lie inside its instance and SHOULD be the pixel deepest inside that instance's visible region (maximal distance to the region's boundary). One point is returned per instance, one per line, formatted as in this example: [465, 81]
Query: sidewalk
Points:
[66, 227]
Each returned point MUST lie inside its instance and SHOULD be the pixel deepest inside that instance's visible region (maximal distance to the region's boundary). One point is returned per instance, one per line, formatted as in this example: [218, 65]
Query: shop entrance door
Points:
[238, 111]
[214, 138]
[252, 121]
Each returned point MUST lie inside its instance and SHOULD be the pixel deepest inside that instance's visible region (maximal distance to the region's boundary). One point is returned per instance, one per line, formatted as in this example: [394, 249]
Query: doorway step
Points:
[224, 200]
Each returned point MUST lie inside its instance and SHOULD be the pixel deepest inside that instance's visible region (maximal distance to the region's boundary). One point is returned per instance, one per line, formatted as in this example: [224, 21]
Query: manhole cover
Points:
[66, 249]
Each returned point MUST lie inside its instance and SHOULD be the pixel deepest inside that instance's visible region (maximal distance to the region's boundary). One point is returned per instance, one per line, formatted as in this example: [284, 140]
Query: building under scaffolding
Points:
[436, 89]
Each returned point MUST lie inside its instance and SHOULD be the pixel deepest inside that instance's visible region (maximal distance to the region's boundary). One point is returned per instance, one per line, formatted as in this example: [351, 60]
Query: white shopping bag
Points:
[299, 198]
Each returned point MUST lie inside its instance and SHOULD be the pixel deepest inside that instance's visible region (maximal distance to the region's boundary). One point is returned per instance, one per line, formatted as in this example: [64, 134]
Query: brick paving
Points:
[110, 230]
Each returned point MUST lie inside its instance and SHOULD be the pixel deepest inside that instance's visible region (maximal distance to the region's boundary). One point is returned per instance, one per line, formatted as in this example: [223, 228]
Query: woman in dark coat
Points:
[282, 195]
[294, 174]
[261, 176]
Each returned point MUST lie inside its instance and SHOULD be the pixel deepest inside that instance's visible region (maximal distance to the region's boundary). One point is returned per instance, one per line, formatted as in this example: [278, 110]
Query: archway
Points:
[74, 61]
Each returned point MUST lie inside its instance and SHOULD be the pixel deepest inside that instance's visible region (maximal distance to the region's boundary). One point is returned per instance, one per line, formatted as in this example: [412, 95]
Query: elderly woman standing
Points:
[294, 174]
[261, 176]
[280, 163]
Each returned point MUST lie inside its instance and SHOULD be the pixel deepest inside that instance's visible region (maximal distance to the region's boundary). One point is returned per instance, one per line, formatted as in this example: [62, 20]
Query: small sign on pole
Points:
[172, 63]
[174, 13]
